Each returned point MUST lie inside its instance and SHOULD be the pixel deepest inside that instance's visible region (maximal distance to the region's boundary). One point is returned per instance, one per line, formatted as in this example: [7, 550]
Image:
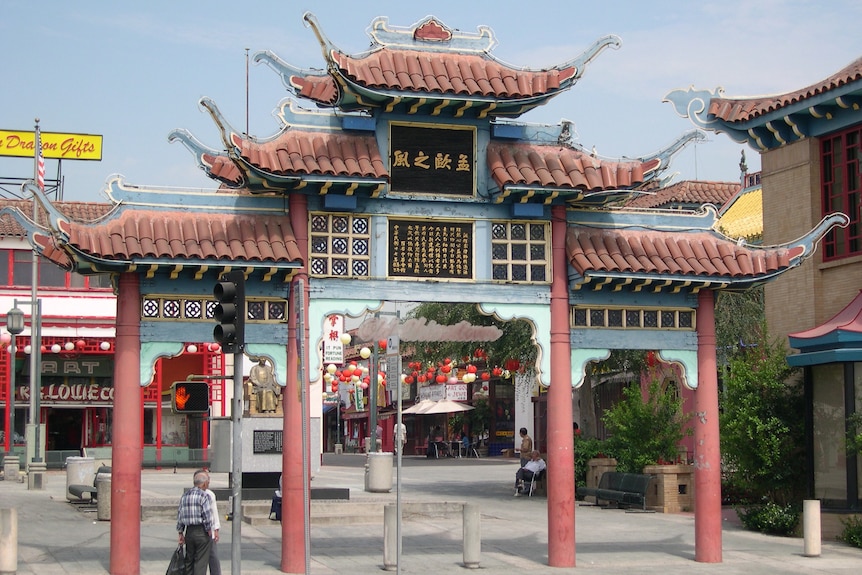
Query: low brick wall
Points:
[672, 490]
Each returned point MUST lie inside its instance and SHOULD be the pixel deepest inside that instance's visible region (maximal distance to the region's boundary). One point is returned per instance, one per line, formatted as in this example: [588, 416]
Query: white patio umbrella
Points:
[417, 408]
[445, 406]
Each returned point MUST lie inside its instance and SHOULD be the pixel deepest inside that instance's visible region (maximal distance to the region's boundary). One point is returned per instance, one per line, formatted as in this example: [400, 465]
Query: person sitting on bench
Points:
[526, 473]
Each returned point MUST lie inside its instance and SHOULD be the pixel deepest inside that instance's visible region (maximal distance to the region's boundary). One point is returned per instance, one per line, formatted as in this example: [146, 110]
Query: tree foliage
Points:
[740, 321]
[515, 343]
[644, 431]
[762, 431]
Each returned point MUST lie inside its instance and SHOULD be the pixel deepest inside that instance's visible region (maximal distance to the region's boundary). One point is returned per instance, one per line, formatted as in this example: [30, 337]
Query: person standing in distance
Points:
[214, 562]
[526, 446]
[195, 524]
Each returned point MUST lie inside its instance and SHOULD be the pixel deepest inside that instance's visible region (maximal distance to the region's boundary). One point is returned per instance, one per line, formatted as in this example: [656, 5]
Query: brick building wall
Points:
[816, 291]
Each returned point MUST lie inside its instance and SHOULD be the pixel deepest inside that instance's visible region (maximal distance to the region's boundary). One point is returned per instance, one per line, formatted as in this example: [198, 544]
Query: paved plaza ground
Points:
[56, 536]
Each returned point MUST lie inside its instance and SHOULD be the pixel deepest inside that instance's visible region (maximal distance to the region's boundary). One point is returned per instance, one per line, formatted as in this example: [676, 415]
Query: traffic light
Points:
[190, 397]
[229, 311]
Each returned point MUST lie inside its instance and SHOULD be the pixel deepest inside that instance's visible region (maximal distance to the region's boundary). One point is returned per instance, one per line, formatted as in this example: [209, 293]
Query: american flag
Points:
[40, 161]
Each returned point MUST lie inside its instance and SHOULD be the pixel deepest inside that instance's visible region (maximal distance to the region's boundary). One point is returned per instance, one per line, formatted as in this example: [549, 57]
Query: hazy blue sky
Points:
[133, 71]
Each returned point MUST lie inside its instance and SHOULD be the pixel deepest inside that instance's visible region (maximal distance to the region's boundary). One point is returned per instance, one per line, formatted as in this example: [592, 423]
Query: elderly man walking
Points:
[195, 524]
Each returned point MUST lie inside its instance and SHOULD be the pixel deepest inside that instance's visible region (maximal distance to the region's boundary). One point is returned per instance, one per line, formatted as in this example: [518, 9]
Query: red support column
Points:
[561, 458]
[293, 558]
[127, 439]
[707, 450]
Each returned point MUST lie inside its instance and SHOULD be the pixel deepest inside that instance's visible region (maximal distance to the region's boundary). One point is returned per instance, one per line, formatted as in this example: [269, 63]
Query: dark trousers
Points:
[523, 475]
[198, 544]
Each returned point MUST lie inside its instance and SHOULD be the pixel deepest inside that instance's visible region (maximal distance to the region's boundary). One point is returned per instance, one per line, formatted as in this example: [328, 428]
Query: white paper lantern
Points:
[364, 353]
[192, 348]
[56, 348]
[105, 345]
[345, 338]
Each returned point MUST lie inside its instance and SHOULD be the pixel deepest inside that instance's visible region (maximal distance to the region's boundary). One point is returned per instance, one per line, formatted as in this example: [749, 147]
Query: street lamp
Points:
[14, 325]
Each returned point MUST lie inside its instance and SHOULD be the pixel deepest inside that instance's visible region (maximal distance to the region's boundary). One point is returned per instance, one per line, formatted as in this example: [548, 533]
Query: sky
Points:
[134, 71]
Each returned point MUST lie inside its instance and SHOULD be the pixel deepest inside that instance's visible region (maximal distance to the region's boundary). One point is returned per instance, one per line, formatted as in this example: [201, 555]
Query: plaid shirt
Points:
[195, 509]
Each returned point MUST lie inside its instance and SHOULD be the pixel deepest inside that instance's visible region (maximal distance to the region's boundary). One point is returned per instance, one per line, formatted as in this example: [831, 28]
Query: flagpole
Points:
[35, 315]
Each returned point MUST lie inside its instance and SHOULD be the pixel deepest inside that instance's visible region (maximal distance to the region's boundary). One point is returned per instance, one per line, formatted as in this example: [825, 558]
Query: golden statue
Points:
[265, 388]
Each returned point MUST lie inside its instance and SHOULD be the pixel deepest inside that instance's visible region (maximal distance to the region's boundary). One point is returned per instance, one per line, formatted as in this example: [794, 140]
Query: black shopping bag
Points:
[177, 566]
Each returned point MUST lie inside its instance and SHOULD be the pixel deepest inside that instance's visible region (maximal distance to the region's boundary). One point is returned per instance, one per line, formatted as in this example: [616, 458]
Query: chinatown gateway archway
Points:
[413, 183]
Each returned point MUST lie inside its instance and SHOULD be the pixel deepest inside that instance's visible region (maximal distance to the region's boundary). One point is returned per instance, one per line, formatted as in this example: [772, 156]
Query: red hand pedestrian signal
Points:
[190, 397]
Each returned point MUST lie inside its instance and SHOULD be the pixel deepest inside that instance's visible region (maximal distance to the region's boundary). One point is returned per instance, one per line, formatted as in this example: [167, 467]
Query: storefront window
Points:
[174, 428]
[830, 479]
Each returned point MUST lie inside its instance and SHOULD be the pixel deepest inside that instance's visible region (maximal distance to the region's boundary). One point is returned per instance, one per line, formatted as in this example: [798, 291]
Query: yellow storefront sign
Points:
[54, 145]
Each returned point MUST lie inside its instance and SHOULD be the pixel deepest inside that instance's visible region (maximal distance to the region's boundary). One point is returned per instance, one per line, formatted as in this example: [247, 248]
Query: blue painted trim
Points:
[275, 352]
[824, 357]
[359, 123]
[336, 202]
[580, 358]
[153, 351]
[520, 210]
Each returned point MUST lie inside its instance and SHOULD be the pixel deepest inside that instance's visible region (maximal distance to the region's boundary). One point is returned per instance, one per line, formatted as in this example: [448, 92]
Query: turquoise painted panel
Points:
[634, 339]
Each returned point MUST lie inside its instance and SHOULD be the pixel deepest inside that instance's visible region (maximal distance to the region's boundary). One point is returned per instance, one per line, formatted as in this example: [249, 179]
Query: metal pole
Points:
[236, 456]
[372, 395]
[36, 370]
[10, 404]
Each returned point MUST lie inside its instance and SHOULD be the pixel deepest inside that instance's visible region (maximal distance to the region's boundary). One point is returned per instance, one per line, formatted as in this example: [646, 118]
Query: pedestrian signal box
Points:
[190, 397]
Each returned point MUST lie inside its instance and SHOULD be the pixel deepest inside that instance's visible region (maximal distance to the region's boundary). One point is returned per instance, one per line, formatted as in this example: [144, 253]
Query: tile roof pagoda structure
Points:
[412, 181]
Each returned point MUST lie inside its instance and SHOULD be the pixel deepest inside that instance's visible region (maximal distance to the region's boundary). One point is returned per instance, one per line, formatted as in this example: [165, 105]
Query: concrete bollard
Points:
[103, 497]
[8, 541]
[390, 537]
[811, 527]
[472, 536]
[11, 468]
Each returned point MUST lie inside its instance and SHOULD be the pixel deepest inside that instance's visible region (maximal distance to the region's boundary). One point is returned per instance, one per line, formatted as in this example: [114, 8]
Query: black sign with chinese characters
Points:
[267, 441]
[432, 160]
[438, 249]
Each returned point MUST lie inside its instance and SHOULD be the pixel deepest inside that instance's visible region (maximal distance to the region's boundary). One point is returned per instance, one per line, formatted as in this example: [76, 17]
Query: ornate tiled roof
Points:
[687, 194]
[692, 256]
[561, 167]
[178, 236]
[743, 218]
[81, 211]
[428, 64]
[745, 109]
[769, 122]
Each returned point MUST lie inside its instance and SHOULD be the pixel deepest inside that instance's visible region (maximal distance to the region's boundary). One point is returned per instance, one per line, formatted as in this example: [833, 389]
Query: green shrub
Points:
[852, 533]
[585, 449]
[771, 518]
[644, 432]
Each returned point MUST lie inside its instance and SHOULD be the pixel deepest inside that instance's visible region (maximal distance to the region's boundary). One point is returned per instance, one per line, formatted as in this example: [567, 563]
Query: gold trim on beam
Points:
[584, 281]
[375, 193]
[484, 113]
[756, 138]
[816, 113]
[151, 271]
[661, 285]
[175, 272]
[351, 188]
[551, 197]
[642, 284]
[324, 189]
[679, 286]
[391, 105]
[132, 268]
[602, 283]
[462, 109]
[201, 271]
[440, 107]
[267, 276]
[415, 107]
[842, 104]
[289, 275]
[775, 132]
[530, 193]
[622, 284]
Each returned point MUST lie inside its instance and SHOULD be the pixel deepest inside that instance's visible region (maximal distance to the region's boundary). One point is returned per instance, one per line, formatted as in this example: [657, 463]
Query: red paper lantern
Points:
[486, 376]
[447, 361]
[382, 344]
[80, 344]
[471, 369]
[421, 378]
[497, 371]
[446, 368]
[441, 379]
[408, 380]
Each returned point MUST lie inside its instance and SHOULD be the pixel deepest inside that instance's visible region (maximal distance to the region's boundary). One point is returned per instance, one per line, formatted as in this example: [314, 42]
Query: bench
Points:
[79, 490]
[621, 488]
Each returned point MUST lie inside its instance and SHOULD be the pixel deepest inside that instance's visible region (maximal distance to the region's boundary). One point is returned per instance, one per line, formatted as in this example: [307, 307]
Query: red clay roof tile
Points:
[700, 254]
[693, 192]
[557, 166]
[184, 236]
[744, 109]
